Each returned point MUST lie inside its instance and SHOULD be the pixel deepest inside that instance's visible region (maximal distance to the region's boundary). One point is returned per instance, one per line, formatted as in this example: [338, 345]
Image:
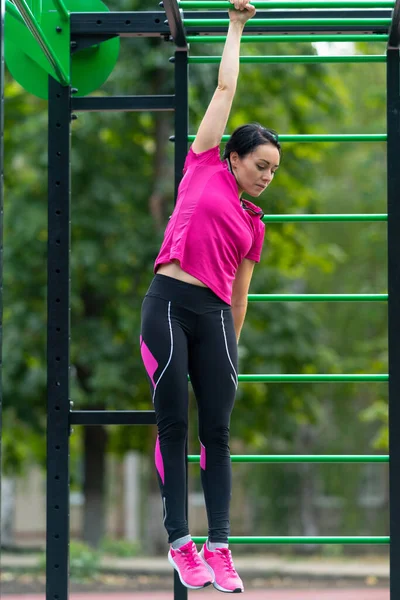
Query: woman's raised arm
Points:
[214, 121]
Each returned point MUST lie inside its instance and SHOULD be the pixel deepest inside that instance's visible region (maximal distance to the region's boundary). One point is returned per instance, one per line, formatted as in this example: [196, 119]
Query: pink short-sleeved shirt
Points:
[209, 232]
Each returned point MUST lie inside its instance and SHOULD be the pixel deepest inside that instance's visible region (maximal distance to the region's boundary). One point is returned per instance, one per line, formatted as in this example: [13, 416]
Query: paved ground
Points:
[211, 594]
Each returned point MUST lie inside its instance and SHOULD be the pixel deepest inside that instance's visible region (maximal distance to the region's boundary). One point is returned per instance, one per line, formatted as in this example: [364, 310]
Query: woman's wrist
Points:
[236, 26]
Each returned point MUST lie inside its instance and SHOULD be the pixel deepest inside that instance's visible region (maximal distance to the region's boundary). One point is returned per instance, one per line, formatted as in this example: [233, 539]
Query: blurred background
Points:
[122, 196]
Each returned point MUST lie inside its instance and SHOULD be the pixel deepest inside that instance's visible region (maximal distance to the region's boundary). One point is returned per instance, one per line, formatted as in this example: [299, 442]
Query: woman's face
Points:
[255, 171]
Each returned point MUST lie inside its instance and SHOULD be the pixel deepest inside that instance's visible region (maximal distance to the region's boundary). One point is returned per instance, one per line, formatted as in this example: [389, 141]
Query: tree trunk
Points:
[8, 485]
[94, 487]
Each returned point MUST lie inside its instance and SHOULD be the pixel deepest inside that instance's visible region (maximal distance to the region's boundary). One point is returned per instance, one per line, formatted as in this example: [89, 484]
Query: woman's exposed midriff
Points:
[173, 269]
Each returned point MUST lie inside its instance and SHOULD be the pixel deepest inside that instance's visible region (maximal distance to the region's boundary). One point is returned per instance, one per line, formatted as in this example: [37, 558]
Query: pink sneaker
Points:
[220, 561]
[193, 572]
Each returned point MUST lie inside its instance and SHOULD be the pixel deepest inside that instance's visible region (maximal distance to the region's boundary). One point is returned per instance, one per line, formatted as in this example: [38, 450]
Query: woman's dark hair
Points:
[246, 138]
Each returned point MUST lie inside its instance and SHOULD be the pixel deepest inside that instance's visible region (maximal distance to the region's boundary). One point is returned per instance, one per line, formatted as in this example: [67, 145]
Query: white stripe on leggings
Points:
[172, 349]
[234, 379]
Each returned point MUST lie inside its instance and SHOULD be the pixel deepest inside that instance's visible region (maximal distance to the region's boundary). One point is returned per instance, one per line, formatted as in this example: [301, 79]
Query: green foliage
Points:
[119, 548]
[84, 561]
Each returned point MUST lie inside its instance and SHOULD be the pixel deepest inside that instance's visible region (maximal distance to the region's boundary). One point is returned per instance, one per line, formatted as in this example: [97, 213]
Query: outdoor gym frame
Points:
[88, 29]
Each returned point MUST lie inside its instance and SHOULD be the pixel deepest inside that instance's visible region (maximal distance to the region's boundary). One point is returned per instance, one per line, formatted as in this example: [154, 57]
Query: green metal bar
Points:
[378, 22]
[12, 10]
[40, 37]
[252, 39]
[61, 9]
[318, 297]
[302, 458]
[37, 9]
[312, 378]
[309, 378]
[284, 4]
[312, 58]
[357, 137]
[302, 540]
[319, 218]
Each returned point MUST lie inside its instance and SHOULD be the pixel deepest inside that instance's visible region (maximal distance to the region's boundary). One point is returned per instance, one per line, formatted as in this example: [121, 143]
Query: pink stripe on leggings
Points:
[203, 457]
[149, 361]
[159, 461]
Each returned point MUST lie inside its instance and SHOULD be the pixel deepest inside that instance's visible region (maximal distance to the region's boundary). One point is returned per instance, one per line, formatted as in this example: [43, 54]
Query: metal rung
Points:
[312, 378]
[377, 22]
[310, 218]
[302, 540]
[332, 137]
[317, 297]
[290, 59]
[273, 38]
[285, 4]
[303, 458]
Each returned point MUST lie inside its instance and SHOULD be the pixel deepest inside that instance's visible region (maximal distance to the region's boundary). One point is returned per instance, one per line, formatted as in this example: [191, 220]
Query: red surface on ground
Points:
[363, 594]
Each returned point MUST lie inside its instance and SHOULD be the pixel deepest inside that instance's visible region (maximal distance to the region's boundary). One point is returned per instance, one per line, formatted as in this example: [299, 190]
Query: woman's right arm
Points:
[214, 121]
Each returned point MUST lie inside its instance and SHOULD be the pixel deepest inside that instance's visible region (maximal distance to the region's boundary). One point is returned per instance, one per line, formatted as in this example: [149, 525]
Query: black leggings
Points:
[187, 329]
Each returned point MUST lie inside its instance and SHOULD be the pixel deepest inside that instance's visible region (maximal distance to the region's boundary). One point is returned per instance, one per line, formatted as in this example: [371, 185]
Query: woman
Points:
[193, 313]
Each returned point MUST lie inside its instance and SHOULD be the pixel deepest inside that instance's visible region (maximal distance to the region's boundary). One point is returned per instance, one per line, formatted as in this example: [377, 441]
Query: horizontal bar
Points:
[153, 23]
[312, 378]
[301, 458]
[254, 39]
[285, 4]
[123, 103]
[318, 297]
[311, 218]
[350, 137]
[312, 58]
[302, 540]
[383, 22]
[112, 417]
[40, 37]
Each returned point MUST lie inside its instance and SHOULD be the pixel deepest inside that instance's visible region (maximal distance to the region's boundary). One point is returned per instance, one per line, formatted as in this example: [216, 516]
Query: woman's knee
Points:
[214, 435]
[172, 431]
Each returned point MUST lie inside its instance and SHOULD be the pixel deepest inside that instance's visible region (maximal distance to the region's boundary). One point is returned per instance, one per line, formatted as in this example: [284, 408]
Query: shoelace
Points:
[191, 556]
[227, 556]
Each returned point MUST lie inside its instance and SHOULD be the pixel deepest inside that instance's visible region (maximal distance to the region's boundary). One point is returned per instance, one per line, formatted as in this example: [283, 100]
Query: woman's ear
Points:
[234, 158]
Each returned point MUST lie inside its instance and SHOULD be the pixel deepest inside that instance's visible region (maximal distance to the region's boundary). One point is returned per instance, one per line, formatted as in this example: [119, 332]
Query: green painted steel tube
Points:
[318, 297]
[329, 37]
[312, 218]
[377, 22]
[312, 58]
[302, 540]
[36, 6]
[302, 458]
[62, 10]
[285, 4]
[312, 378]
[40, 37]
[309, 378]
[12, 10]
[351, 137]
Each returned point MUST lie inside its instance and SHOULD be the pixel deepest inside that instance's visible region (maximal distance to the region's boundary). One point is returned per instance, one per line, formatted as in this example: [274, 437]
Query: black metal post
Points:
[2, 13]
[58, 343]
[181, 113]
[393, 154]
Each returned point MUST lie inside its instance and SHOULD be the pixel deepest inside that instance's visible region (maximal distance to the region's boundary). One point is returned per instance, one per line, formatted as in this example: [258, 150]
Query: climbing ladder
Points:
[60, 42]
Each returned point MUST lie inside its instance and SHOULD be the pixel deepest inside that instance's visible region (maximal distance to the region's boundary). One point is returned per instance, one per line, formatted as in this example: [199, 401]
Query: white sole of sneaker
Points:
[215, 584]
[190, 587]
